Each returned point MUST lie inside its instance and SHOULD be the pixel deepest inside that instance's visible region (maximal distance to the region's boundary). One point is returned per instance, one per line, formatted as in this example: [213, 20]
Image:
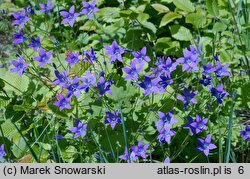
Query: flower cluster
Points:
[152, 80]
[137, 151]
[164, 127]
[70, 17]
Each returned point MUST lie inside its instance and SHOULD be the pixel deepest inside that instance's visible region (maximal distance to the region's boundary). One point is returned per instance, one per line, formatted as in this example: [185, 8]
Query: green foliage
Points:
[29, 119]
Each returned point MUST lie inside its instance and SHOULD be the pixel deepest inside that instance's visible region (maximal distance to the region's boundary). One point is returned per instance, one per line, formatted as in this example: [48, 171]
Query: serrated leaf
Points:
[212, 7]
[184, 5]
[180, 33]
[197, 19]
[169, 17]
[160, 8]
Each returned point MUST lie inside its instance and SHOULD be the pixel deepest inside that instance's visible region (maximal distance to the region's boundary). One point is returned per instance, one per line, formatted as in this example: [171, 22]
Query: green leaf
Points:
[142, 17]
[184, 5]
[2, 84]
[180, 33]
[169, 17]
[212, 7]
[162, 43]
[160, 8]
[23, 107]
[8, 129]
[197, 19]
[69, 154]
[149, 26]
[219, 27]
[18, 84]
[119, 93]
[19, 146]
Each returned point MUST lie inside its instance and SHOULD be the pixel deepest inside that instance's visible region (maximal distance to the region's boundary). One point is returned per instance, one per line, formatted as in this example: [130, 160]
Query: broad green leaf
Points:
[219, 27]
[160, 8]
[169, 17]
[184, 5]
[119, 93]
[149, 26]
[23, 107]
[69, 154]
[180, 33]
[8, 129]
[162, 43]
[197, 19]
[18, 84]
[142, 17]
[19, 146]
[212, 7]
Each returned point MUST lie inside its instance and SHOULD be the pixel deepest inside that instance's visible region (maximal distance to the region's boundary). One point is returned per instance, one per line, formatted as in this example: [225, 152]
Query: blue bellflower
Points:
[88, 81]
[208, 69]
[104, 86]
[20, 66]
[20, 19]
[140, 149]
[128, 158]
[149, 86]
[220, 70]
[192, 129]
[190, 60]
[89, 9]
[35, 43]
[133, 72]
[199, 124]
[80, 130]
[165, 134]
[165, 119]
[43, 58]
[115, 51]
[206, 80]
[112, 119]
[188, 97]
[62, 79]
[141, 57]
[205, 145]
[63, 103]
[74, 88]
[72, 58]
[90, 56]
[2, 152]
[219, 93]
[245, 133]
[69, 17]
[168, 67]
[167, 160]
[19, 38]
[46, 8]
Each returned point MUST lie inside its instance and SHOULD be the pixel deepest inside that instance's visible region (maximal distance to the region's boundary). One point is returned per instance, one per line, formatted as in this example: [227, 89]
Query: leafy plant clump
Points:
[124, 81]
